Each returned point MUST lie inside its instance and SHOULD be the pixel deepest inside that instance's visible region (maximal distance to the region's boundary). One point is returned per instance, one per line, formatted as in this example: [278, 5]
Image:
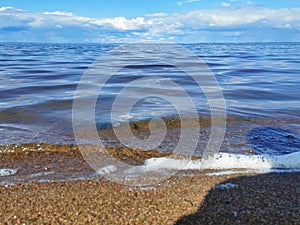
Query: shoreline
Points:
[264, 198]
[52, 163]
[192, 197]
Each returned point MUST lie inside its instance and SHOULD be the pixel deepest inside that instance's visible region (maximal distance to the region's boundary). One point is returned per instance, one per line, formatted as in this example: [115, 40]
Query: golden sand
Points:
[193, 199]
[257, 199]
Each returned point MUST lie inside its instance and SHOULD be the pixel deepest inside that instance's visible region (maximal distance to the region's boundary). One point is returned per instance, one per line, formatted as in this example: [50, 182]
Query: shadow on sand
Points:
[272, 198]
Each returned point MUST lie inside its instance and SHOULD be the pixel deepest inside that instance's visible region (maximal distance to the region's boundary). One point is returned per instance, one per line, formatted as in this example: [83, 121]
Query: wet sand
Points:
[196, 199]
[187, 198]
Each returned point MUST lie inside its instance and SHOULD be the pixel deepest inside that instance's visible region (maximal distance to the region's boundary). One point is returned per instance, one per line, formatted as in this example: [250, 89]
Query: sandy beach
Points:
[178, 112]
[194, 199]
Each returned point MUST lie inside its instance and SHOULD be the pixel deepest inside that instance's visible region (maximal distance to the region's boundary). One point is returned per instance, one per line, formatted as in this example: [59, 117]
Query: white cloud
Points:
[121, 23]
[225, 4]
[213, 24]
[187, 1]
[52, 19]
[247, 16]
[9, 8]
[58, 13]
[156, 15]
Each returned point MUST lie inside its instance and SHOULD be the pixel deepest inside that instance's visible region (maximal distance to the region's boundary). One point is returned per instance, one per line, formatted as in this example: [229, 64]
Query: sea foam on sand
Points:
[7, 172]
[222, 161]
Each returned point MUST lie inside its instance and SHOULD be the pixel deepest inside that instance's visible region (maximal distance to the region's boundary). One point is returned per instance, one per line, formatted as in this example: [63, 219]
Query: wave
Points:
[55, 163]
[226, 161]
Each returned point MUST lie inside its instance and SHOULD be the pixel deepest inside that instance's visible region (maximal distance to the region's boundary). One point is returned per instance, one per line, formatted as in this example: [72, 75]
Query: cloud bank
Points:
[225, 24]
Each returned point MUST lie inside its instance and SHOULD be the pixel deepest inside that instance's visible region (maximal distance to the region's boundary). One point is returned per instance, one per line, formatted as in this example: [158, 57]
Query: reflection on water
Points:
[260, 82]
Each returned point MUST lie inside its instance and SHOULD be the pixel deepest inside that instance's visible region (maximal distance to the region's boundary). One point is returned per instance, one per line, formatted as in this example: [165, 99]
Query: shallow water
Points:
[260, 83]
[38, 82]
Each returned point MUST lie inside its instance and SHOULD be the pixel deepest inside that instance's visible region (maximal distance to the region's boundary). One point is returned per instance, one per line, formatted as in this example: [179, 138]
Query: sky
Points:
[180, 21]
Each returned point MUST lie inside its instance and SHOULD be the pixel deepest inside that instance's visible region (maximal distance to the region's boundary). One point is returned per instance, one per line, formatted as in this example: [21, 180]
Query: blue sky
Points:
[137, 20]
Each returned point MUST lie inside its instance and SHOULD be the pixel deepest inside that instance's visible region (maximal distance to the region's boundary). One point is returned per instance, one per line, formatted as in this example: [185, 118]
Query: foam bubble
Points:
[41, 174]
[7, 172]
[107, 170]
[226, 186]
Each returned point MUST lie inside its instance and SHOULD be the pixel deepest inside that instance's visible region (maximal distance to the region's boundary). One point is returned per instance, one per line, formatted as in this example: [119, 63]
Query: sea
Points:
[259, 84]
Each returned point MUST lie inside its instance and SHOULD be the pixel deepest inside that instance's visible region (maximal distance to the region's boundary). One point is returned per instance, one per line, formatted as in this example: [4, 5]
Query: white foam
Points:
[107, 170]
[226, 186]
[7, 172]
[147, 188]
[230, 172]
[223, 161]
[41, 174]
[124, 117]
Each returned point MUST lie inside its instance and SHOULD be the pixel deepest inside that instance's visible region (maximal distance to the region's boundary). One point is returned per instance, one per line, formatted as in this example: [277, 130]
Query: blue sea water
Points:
[260, 83]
